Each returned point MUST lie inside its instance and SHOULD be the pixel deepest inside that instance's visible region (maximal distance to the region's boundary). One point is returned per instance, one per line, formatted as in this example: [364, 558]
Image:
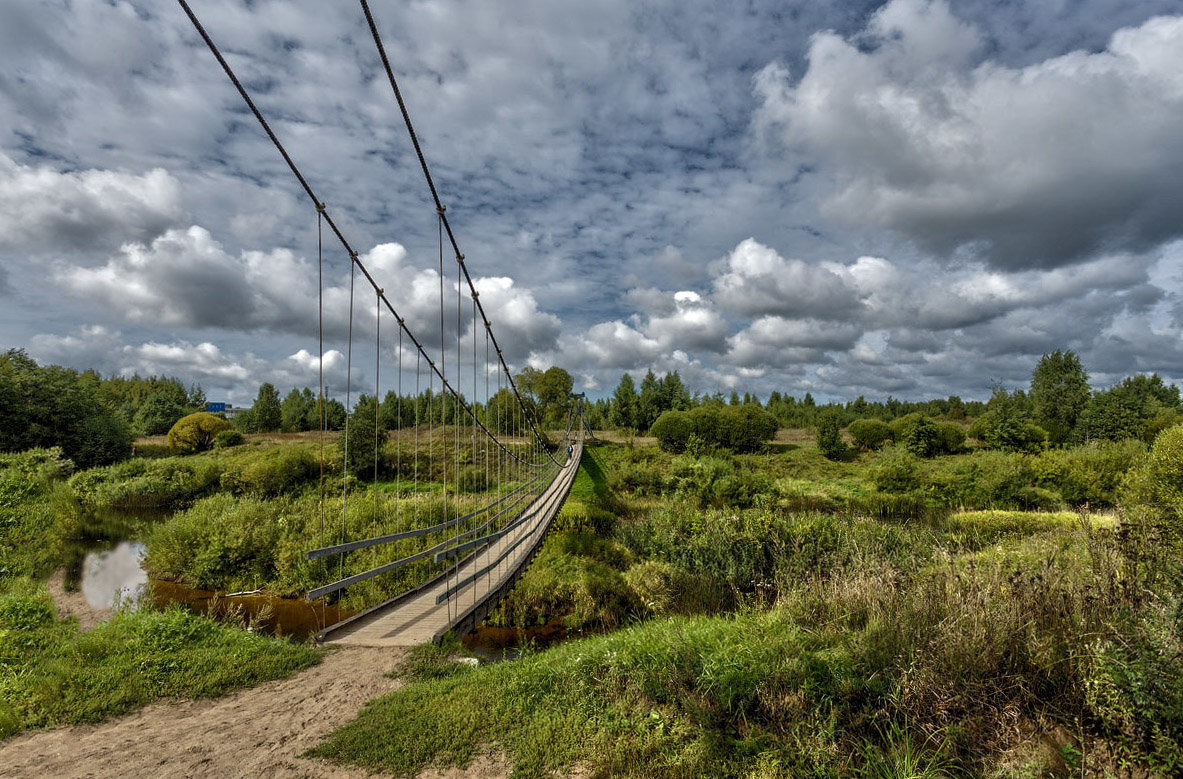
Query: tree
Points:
[197, 399]
[158, 414]
[649, 405]
[624, 404]
[502, 413]
[298, 411]
[267, 410]
[1007, 423]
[363, 436]
[1059, 393]
[1138, 407]
[829, 434]
[334, 414]
[674, 393]
[553, 391]
[55, 406]
[196, 432]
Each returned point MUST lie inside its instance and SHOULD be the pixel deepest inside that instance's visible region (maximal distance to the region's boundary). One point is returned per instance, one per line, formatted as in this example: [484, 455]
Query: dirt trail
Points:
[258, 732]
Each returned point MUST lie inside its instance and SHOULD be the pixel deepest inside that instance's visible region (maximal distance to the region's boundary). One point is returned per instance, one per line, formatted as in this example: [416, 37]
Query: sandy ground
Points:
[258, 732]
[73, 604]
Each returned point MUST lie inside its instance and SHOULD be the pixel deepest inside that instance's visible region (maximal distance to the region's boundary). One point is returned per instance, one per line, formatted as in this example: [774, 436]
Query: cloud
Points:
[186, 279]
[236, 375]
[1037, 166]
[43, 211]
[905, 195]
[758, 281]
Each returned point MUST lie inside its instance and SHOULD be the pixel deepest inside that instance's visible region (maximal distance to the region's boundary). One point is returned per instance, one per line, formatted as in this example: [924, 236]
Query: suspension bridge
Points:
[475, 487]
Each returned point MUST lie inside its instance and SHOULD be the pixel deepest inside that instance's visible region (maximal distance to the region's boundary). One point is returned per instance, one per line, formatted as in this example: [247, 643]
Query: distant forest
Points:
[95, 419]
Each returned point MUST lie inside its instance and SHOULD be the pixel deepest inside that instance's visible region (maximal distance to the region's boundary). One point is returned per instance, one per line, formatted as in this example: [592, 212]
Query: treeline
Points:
[1059, 407]
[546, 397]
[92, 419]
[638, 409]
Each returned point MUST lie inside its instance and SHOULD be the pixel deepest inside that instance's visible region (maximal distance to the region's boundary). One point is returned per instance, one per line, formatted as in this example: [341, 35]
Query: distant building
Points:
[225, 408]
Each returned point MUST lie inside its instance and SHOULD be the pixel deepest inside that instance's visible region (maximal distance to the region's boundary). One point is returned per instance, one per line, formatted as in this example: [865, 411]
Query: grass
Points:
[868, 670]
[681, 696]
[53, 674]
[775, 614]
[767, 641]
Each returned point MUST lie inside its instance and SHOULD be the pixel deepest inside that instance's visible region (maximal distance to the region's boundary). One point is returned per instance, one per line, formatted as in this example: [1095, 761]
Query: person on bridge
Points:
[570, 451]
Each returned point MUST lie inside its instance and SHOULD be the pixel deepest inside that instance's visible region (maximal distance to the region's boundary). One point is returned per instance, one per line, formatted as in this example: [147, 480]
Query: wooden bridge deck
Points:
[416, 618]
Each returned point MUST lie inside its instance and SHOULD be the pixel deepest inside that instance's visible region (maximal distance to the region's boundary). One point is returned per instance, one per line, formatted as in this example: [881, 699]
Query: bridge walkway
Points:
[420, 616]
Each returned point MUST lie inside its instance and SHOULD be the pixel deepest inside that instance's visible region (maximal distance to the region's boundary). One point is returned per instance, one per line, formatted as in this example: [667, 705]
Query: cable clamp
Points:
[459, 257]
[475, 294]
[440, 209]
[380, 291]
[352, 254]
[320, 208]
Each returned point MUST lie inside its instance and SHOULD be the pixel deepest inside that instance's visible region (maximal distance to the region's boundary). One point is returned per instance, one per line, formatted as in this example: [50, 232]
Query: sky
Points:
[915, 198]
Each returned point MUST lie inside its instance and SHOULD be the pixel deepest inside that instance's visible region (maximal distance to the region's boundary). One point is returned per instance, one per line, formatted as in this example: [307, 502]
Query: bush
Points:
[1008, 432]
[165, 483]
[921, 437]
[951, 436]
[829, 435]
[1155, 490]
[747, 427]
[273, 472]
[738, 428]
[869, 433]
[196, 432]
[897, 471]
[221, 543]
[228, 438]
[1091, 474]
[672, 430]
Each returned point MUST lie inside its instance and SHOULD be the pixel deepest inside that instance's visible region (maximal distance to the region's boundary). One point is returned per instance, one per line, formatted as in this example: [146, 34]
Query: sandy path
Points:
[258, 732]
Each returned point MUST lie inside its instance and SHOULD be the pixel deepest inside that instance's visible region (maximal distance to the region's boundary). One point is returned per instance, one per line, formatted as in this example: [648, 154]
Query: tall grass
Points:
[861, 668]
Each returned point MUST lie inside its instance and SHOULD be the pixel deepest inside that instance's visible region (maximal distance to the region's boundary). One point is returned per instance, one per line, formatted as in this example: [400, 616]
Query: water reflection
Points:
[292, 617]
[493, 644]
[113, 576]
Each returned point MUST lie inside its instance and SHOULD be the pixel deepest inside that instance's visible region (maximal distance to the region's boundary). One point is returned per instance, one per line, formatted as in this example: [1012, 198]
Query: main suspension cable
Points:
[312, 195]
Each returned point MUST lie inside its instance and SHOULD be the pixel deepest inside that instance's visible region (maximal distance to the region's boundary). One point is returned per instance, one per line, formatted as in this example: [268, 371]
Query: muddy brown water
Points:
[292, 617]
[493, 644]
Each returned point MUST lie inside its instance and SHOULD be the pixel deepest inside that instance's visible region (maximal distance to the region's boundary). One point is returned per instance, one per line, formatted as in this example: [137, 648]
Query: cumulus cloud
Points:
[43, 210]
[185, 278]
[220, 372]
[758, 281]
[1034, 166]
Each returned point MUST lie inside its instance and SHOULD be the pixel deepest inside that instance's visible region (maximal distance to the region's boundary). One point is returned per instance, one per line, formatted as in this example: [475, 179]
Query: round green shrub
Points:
[921, 438]
[196, 432]
[952, 437]
[672, 429]
[869, 434]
